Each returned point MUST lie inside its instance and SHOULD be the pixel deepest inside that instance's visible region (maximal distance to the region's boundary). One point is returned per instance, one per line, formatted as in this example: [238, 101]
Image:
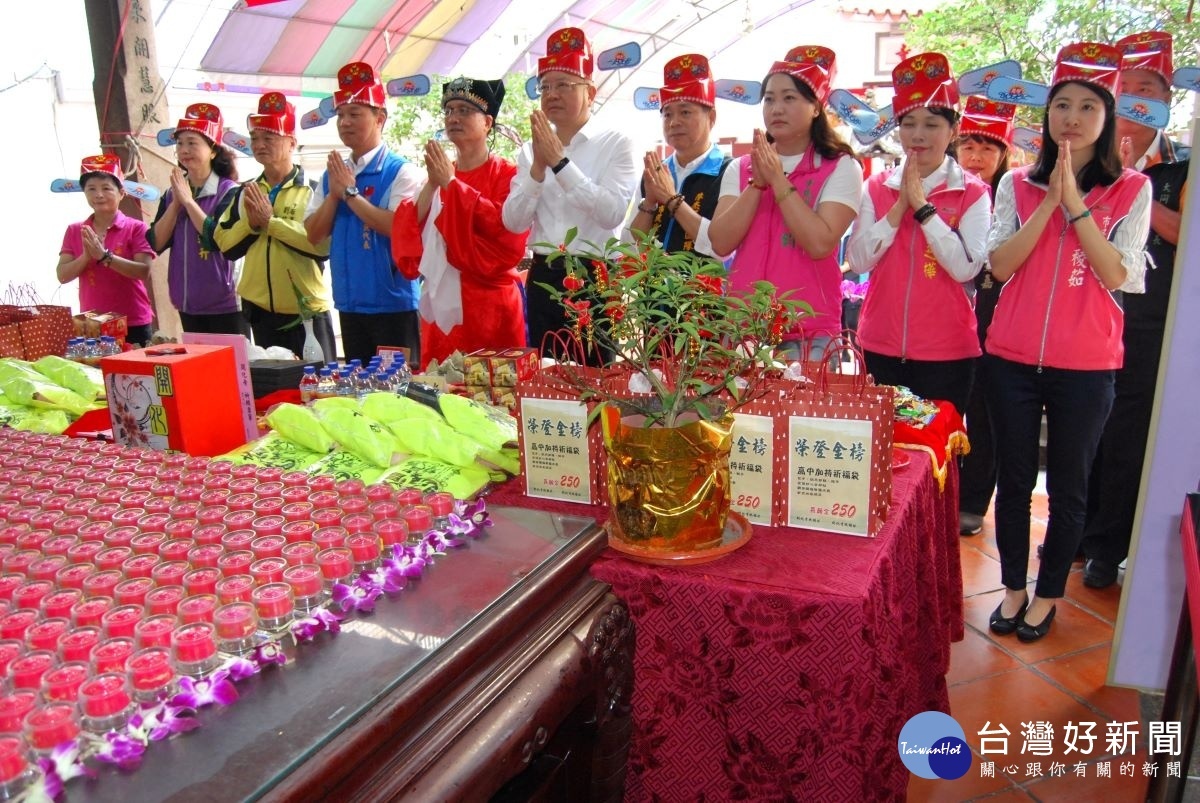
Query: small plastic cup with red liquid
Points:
[324, 499]
[194, 649]
[268, 546]
[209, 533]
[102, 512]
[236, 588]
[235, 562]
[105, 703]
[419, 519]
[358, 523]
[25, 672]
[236, 624]
[111, 654]
[48, 567]
[246, 473]
[336, 564]
[133, 591]
[112, 494]
[154, 522]
[68, 525]
[409, 496]
[354, 504]
[30, 594]
[189, 493]
[268, 526]
[17, 775]
[308, 588]
[301, 552]
[41, 522]
[327, 517]
[140, 566]
[10, 650]
[164, 599]
[150, 673]
[384, 510]
[90, 612]
[322, 482]
[391, 532]
[175, 549]
[215, 495]
[61, 684]
[9, 532]
[127, 516]
[59, 544]
[297, 511]
[44, 635]
[157, 503]
[441, 504]
[119, 622]
[197, 608]
[242, 502]
[49, 726]
[364, 547]
[15, 623]
[205, 555]
[59, 603]
[269, 473]
[201, 581]
[33, 539]
[275, 605]
[238, 540]
[328, 537]
[101, 583]
[294, 493]
[298, 532]
[155, 631]
[80, 507]
[184, 529]
[268, 505]
[170, 572]
[112, 557]
[294, 479]
[184, 509]
[19, 562]
[14, 707]
[212, 514]
[268, 570]
[9, 583]
[77, 644]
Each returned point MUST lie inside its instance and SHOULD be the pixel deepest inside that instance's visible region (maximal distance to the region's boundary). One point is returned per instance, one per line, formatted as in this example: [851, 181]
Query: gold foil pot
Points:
[668, 487]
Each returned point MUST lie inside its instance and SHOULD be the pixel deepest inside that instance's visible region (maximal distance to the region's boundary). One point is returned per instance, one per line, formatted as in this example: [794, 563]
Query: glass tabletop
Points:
[285, 715]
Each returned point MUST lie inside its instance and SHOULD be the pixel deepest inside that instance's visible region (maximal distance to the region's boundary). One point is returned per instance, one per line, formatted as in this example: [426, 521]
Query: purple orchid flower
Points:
[319, 621]
[440, 541]
[359, 597]
[388, 577]
[215, 688]
[269, 653]
[240, 668]
[460, 526]
[475, 512]
[121, 750]
[166, 719]
[406, 561]
[64, 763]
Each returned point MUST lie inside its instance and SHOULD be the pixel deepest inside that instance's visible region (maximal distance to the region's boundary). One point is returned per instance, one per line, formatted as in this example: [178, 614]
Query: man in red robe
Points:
[468, 260]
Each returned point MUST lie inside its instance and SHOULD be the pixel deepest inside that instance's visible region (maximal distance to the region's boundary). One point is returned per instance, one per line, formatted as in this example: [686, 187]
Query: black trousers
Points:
[944, 380]
[546, 316]
[266, 326]
[1076, 404]
[225, 323]
[1117, 471]
[363, 333]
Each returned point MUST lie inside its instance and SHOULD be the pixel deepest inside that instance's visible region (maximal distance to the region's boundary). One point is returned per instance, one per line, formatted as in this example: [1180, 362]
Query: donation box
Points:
[179, 397]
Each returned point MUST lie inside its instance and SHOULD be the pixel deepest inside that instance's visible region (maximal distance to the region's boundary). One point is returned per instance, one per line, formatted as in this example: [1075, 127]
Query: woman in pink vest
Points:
[922, 232]
[786, 206]
[1068, 232]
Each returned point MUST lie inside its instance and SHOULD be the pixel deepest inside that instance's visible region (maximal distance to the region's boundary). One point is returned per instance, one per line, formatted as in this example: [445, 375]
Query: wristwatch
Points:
[561, 164]
[350, 192]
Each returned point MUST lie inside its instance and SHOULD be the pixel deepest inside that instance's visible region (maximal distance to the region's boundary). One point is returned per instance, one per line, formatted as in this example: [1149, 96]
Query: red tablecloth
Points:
[785, 670]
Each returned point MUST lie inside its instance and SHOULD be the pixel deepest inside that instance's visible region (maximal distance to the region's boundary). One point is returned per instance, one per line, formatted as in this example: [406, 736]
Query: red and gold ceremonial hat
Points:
[104, 163]
[1149, 50]
[687, 78]
[275, 114]
[988, 118]
[357, 84]
[1092, 63]
[204, 119]
[567, 50]
[923, 80]
[815, 65]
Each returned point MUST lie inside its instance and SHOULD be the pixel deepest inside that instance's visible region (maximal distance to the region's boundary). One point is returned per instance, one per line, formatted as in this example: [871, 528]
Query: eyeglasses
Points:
[558, 87]
[460, 111]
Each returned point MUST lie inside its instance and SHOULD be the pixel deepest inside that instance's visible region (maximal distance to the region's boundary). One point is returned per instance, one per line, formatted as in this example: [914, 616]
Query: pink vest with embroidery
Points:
[769, 252]
[914, 309]
[1055, 311]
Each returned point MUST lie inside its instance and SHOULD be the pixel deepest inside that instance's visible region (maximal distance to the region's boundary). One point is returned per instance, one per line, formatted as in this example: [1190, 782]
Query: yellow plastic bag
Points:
[361, 436]
[300, 426]
[434, 475]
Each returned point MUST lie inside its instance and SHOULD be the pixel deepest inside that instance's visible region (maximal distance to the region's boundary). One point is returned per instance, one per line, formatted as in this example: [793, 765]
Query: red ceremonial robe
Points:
[484, 253]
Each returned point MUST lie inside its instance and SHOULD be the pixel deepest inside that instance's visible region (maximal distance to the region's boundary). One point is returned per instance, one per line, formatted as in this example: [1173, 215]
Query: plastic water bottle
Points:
[108, 346]
[403, 373]
[345, 384]
[309, 384]
[91, 351]
[74, 349]
[326, 386]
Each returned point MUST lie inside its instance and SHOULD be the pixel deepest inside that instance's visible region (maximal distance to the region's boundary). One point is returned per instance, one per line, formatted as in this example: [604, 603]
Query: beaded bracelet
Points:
[673, 202]
[1080, 216]
[649, 211]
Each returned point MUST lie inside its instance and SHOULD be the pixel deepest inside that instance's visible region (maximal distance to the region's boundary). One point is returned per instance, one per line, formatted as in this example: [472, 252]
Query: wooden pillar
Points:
[131, 107]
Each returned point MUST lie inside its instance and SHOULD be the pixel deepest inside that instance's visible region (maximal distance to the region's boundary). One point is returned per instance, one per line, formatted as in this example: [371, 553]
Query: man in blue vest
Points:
[354, 204]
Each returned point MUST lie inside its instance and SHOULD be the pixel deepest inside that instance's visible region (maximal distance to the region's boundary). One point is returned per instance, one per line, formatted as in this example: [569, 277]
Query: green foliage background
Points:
[413, 121]
[974, 34]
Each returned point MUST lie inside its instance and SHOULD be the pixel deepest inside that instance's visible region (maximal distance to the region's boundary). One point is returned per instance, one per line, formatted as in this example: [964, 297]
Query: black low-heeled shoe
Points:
[1027, 632]
[1003, 625]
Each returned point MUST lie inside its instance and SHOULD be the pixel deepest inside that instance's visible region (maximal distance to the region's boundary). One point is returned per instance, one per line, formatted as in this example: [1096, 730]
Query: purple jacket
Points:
[200, 279]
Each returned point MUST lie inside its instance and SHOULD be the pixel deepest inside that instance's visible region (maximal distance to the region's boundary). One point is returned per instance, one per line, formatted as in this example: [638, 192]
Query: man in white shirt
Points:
[572, 174]
[354, 204]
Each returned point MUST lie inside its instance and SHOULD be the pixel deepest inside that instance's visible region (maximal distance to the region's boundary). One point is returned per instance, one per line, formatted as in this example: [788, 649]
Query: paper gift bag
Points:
[11, 344]
[562, 450]
[46, 331]
[839, 452]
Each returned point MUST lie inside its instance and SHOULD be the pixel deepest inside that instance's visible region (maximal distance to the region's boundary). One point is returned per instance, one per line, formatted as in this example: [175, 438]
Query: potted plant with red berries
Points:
[685, 355]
